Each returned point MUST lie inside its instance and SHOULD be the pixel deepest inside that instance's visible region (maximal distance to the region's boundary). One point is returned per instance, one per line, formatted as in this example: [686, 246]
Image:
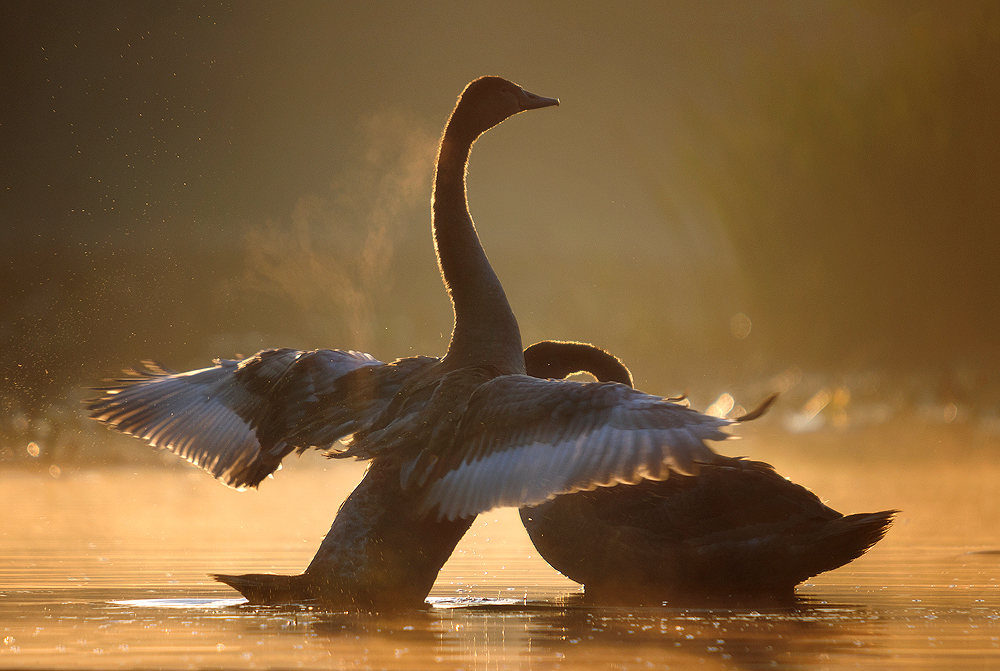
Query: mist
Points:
[729, 194]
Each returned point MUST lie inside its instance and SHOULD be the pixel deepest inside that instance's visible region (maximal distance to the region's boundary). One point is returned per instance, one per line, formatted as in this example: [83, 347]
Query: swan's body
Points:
[737, 529]
[448, 438]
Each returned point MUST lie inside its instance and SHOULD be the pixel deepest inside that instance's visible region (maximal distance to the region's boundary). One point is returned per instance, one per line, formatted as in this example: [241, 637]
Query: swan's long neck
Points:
[485, 330]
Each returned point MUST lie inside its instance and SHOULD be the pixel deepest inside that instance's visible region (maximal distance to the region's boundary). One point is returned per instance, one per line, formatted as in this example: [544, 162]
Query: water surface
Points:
[108, 568]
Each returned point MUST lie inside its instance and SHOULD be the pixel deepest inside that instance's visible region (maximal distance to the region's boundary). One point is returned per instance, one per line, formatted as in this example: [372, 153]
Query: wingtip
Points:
[760, 410]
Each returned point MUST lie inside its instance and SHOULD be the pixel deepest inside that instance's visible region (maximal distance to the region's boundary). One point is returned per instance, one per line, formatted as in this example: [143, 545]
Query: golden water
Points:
[107, 568]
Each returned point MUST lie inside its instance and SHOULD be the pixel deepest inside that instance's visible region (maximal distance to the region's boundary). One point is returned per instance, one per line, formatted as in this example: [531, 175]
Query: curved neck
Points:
[485, 330]
[554, 359]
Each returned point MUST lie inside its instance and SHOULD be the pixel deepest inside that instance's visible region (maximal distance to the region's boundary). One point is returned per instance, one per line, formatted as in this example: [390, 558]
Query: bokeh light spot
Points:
[722, 406]
[740, 326]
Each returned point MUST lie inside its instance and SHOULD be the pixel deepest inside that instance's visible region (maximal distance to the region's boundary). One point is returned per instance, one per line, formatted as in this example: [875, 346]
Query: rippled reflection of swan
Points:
[736, 529]
[448, 438]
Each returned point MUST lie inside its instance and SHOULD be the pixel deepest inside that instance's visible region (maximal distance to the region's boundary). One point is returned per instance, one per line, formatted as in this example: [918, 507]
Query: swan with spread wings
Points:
[448, 438]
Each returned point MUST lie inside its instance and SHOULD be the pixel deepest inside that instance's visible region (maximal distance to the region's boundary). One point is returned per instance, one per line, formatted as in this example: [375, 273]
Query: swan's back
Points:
[735, 529]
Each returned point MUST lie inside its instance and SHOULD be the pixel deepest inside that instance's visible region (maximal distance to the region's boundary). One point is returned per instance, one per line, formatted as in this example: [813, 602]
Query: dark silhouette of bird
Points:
[736, 530]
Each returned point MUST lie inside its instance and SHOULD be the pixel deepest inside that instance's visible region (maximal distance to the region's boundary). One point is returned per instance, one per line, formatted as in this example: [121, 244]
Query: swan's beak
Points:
[533, 102]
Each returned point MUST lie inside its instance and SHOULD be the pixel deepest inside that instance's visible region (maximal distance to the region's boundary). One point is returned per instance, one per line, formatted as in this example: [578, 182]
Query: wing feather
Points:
[524, 440]
[238, 419]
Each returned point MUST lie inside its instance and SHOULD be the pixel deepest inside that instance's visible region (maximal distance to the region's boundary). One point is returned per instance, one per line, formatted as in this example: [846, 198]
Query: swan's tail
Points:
[849, 537]
[269, 588]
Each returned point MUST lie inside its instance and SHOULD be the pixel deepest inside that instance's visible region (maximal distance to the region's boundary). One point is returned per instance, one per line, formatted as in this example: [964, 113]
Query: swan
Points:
[736, 530]
[447, 437]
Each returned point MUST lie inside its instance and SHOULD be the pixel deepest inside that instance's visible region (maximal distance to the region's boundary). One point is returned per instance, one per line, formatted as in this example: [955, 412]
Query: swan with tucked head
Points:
[736, 531]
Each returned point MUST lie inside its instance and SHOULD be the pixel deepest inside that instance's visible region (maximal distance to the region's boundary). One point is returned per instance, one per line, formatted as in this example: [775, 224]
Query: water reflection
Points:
[487, 634]
[749, 638]
[108, 567]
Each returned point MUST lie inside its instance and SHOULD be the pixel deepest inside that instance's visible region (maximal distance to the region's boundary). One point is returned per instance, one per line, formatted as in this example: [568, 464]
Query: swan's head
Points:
[489, 100]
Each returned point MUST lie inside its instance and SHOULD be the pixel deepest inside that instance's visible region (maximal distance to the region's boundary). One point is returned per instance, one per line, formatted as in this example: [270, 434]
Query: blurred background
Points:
[734, 198]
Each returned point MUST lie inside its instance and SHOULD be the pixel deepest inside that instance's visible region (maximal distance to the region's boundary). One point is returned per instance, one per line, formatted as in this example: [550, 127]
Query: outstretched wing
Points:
[523, 441]
[238, 419]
